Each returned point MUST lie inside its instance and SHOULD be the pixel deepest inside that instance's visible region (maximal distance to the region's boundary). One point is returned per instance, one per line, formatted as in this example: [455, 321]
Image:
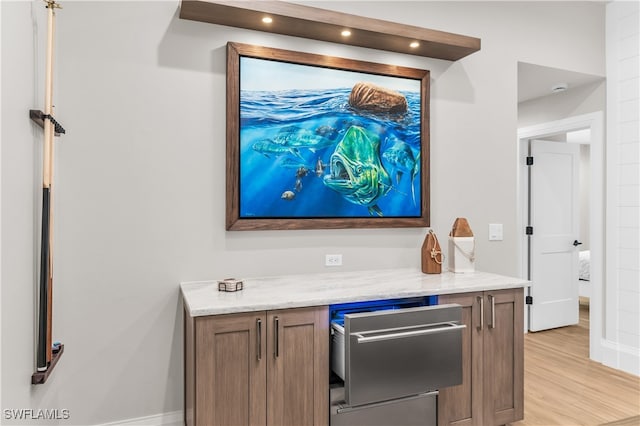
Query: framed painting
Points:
[318, 142]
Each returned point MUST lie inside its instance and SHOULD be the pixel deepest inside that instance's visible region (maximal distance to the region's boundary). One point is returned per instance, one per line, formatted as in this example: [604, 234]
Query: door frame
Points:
[595, 123]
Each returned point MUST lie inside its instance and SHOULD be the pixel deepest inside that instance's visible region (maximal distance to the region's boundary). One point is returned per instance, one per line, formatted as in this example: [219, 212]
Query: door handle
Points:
[481, 301]
[576, 243]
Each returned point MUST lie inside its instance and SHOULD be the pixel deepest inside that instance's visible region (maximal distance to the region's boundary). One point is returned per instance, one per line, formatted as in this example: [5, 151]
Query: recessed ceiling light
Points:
[345, 33]
[560, 87]
[414, 44]
[267, 20]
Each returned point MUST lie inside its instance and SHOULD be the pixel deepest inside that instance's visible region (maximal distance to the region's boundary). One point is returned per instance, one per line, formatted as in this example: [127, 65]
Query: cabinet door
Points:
[462, 404]
[504, 357]
[298, 367]
[230, 379]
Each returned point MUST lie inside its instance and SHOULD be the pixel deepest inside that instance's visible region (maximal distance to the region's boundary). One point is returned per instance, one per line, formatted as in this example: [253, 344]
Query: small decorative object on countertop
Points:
[461, 228]
[462, 247]
[229, 284]
[432, 256]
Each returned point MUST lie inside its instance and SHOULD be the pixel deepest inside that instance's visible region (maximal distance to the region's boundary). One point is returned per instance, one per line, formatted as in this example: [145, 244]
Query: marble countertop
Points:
[292, 291]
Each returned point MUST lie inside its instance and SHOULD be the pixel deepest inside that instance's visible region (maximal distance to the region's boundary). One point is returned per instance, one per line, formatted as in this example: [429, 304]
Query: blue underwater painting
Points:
[319, 142]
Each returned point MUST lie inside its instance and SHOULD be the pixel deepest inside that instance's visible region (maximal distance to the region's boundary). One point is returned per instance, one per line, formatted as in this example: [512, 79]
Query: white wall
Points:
[140, 177]
[622, 319]
[574, 102]
[580, 100]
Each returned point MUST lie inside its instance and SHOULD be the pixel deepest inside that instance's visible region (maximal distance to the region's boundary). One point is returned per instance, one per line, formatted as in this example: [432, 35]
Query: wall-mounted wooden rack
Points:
[40, 377]
[326, 25]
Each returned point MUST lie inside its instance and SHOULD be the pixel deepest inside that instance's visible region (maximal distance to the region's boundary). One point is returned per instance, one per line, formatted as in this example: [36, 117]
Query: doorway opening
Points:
[572, 130]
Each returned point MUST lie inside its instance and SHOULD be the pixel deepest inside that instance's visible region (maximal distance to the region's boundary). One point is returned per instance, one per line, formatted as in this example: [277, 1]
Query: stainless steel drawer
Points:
[416, 410]
[396, 353]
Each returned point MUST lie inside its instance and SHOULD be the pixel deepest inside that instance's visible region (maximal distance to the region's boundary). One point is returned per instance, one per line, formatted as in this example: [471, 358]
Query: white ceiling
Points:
[535, 81]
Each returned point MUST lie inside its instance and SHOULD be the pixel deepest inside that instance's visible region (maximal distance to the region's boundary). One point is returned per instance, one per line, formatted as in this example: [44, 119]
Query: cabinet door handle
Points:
[259, 338]
[481, 301]
[276, 338]
[493, 311]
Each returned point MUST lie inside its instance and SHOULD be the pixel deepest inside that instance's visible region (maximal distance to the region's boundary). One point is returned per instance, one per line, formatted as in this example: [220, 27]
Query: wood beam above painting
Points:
[326, 25]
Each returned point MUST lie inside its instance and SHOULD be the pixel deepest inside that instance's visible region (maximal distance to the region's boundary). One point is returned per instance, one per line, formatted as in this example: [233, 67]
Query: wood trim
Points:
[326, 25]
[232, 167]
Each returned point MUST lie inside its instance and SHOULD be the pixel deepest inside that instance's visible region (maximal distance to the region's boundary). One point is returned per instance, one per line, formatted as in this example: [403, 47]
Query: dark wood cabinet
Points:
[258, 368]
[492, 391]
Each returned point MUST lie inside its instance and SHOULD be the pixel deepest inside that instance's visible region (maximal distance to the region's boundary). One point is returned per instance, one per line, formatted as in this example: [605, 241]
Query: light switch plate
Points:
[495, 232]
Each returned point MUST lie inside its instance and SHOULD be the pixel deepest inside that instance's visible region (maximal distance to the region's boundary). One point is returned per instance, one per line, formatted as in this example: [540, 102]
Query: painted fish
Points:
[401, 158]
[288, 195]
[302, 172]
[267, 148]
[320, 166]
[328, 132]
[298, 137]
[356, 171]
[291, 163]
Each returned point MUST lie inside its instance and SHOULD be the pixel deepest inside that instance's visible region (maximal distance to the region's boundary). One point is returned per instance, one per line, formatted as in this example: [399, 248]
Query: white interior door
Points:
[554, 216]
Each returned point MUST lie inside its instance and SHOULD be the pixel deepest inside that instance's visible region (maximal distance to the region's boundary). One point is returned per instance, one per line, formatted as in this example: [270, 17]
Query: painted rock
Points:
[373, 98]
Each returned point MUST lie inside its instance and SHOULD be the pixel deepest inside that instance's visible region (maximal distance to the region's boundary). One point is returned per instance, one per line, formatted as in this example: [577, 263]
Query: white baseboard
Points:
[621, 357]
[173, 418]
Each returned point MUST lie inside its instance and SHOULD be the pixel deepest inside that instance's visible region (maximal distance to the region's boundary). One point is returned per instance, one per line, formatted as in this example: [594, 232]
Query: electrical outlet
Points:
[333, 260]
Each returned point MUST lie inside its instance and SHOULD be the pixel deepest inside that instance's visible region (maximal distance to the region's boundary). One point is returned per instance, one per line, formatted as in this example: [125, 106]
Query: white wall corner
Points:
[621, 357]
[622, 33]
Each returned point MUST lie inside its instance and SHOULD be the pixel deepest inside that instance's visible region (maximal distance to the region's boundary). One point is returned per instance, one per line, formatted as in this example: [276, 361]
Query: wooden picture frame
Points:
[320, 142]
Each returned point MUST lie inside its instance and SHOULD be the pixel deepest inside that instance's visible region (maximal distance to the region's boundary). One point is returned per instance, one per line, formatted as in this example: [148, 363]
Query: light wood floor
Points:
[562, 386]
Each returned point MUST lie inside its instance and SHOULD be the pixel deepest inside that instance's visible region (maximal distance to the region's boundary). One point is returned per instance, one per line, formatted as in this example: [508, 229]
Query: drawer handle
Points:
[348, 409]
[259, 338]
[404, 334]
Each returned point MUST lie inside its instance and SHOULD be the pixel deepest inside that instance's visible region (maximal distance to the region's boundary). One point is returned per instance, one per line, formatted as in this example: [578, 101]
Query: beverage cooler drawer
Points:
[391, 354]
[410, 411]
